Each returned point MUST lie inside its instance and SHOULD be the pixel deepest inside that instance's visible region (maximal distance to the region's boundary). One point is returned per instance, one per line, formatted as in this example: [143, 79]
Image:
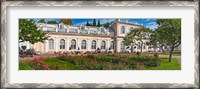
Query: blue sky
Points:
[148, 23]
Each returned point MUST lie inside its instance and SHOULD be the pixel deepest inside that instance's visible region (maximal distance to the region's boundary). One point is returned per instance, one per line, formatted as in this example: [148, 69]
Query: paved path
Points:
[176, 57]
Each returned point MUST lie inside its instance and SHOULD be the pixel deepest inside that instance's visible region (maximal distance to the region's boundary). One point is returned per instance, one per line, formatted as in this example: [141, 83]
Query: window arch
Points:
[122, 45]
[83, 44]
[112, 45]
[73, 44]
[62, 44]
[51, 44]
[123, 29]
[93, 44]
[103, 45]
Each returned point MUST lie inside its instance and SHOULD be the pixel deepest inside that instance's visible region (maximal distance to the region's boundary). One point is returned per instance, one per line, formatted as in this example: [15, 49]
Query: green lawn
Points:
[166, 65]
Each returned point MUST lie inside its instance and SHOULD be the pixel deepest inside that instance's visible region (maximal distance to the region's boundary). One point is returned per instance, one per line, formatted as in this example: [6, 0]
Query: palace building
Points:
[66, 38]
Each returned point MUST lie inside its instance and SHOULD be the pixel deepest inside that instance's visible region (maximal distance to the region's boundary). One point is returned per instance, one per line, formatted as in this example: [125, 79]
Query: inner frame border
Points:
[5, 4]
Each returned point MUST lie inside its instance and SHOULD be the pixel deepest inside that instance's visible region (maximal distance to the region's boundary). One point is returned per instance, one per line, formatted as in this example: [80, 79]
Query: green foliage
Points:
[28, 32]
[106, 25]
[100, 62]
[42, 21]
[66, 21]
[165, 65]
[94, 22]
[24, 65]
[99, 24]
[52, 22]
[169, 33]
[23, 47]
[137, 35]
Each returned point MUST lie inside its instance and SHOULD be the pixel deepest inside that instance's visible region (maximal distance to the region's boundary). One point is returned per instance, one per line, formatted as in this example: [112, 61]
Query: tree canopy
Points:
[94, 22]
[52, 22]
[168, 33]
[99, 24]
[42, 21]
[137, 37]
[66, 21]
[28, 32]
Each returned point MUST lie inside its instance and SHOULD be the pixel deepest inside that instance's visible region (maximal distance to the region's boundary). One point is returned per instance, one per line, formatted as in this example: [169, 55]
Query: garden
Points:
[100, 62]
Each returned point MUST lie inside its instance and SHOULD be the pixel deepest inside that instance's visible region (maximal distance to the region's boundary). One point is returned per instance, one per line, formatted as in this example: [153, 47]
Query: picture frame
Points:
[5, 54]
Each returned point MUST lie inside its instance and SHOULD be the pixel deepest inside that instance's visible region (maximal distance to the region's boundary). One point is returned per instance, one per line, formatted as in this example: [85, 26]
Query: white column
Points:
[57, 44]
[67, 44]
[118, 46]
[88, 45]
[98, 43]
[77, 44]
[47, 46]
[107, 44]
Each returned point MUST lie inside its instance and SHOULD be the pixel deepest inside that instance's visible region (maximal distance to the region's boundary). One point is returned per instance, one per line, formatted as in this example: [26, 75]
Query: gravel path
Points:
[176, 57]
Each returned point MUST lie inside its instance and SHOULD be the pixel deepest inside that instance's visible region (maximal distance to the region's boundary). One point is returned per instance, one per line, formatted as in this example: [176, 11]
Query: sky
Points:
[148, 23]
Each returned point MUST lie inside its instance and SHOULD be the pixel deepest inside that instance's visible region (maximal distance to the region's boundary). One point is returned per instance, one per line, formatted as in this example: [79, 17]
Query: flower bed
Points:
[94, 62]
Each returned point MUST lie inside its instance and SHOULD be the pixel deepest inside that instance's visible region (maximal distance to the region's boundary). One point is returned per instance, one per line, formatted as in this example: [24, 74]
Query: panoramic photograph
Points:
[99, 44]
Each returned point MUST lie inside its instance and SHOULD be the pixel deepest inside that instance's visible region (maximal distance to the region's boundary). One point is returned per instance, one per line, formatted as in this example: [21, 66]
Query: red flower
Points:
[34, 59]
[95, 59]
[106, 68]
[46, 67]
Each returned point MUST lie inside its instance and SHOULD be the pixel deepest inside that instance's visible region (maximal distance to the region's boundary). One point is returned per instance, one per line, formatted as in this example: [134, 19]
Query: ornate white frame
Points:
[6, 4]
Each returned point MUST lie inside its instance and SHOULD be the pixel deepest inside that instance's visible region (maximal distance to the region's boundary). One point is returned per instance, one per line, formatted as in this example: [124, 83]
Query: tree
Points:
[169, 30]
[106, 25]
[42, 21]
[137, 37]
[94, 22]
[156, 40]
[66, 21]
[28, 32]
[52, 22]
[99, 24]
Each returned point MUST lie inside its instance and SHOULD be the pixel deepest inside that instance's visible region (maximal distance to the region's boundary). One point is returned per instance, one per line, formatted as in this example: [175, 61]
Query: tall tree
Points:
[28, 32]
[99, 24]
[66, 21]
[94, 22]
[42, 21]
[87, 24]
[137, 37]
[169, 33]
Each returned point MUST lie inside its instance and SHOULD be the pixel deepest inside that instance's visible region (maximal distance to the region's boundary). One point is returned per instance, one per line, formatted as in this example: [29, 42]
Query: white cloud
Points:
[152, 25]
[103, 21]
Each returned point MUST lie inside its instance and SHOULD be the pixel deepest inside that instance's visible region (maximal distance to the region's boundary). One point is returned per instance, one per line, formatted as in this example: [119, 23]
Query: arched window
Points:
[83, 44]
[123, 29]
[62, 44]
[131, 28]
[103, 45]
[73, 44]
[93, 44]
[122, 45]
[112, 45]
[51, 44]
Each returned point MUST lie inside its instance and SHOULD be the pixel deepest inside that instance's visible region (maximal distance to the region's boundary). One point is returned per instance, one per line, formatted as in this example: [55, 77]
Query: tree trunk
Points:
[170, 54]
[141, 46]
